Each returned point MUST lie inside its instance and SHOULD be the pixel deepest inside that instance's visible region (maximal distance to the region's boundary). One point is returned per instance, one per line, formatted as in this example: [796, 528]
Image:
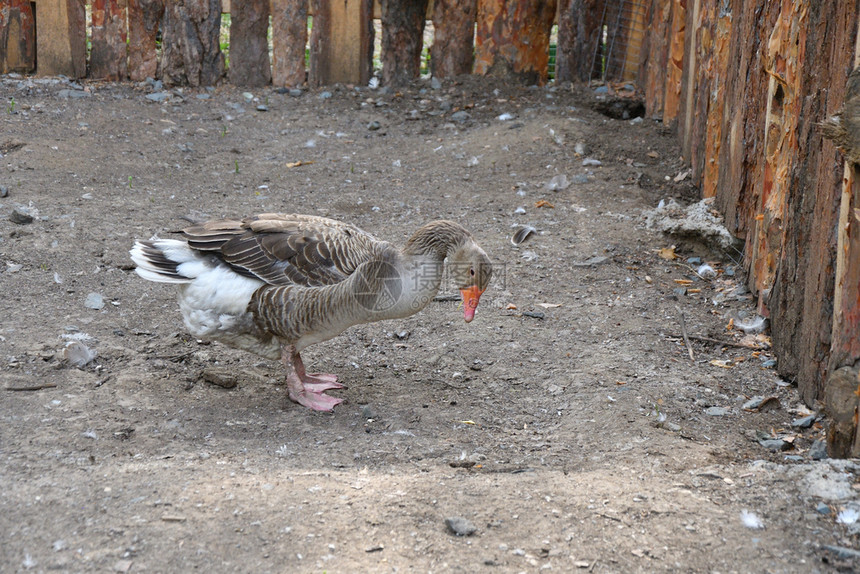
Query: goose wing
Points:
[286, 249]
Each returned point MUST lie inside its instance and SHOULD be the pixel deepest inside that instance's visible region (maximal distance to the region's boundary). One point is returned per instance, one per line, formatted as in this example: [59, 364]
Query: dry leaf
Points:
[544, 203]
[293, 164]
[667, 253]
[731, 325]
[653, 154]
[721, 364]
[511, 306]
[683, 282]
[549, 305]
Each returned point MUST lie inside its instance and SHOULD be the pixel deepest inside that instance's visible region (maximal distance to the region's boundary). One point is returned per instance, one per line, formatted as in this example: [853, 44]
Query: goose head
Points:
[470, 270]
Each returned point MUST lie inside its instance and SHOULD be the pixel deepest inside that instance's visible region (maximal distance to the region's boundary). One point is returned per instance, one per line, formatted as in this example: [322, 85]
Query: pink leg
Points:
[304, 389]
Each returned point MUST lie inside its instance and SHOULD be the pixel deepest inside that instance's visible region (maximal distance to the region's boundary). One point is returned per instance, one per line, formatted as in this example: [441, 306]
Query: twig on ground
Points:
[33, 388]
[684, 333]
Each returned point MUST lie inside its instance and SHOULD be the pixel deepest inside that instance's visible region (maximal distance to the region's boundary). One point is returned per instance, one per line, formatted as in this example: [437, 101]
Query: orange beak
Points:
[471, 296]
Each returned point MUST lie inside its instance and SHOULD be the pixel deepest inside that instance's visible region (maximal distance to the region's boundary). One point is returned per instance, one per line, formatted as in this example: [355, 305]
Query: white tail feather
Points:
[153, 260]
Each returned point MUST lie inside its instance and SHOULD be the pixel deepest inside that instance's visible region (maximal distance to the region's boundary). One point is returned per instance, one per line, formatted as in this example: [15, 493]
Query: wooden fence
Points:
[178, 41]
[746, 84]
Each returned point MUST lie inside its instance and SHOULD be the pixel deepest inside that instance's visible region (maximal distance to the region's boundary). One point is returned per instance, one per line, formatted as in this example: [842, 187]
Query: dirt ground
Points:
[567, 423]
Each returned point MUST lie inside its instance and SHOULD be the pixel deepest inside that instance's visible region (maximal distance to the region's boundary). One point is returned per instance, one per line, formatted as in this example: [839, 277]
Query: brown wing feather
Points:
[285, 249]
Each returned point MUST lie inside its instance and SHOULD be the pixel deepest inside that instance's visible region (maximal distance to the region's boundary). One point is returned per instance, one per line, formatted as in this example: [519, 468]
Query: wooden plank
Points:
[635, 12]
[780, 143]
[841, 387]
[249, 44]
[453, 49]
[716, 97]
[675, 62]
[402, 40]
[144, 17]
[801, 303]
[341, 42]
[17, 37]
[61, 46]
[578, 34]
[109, 55]
[512, 39]
[654, 56]
[191, 48]
[289, 38]
[689, 76]
[742, 117]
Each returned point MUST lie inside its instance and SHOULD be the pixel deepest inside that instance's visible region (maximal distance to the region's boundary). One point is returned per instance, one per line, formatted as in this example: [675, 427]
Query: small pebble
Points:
[262, 108]
[822, 508]
[435, 83]
[157, 96]
[775, 444]
[94, 301]
[460, 526]
[325, 95]
[4, 191]
[460, 116]
[533, 314]
[20, 217]
[716, 411]
[580, 148]
[374, 125]
[803, 423]
[818, 450]
[754, 403]
[591, 161]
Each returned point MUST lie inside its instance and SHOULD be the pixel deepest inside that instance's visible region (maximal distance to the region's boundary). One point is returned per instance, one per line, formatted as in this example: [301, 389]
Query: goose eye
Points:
[472, 271]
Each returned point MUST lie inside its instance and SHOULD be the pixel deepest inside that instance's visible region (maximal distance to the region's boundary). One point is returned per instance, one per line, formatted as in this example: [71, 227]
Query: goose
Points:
[273, 284]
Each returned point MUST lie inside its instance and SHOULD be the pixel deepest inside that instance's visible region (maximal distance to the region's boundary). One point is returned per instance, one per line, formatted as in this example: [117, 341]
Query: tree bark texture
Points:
[109, 53]
[453, 49]
[144, 18]
[17, 37]
[249, 43]
[578, 35]
[402, 40]
[512, 39]
[191, 50]
[653, 56]
[341, 42]
[289, 37]
[62, 33]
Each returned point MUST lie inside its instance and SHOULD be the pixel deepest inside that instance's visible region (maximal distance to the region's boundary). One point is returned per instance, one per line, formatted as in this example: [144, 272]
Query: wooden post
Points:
[578, 34]
[289, 38]
[801, 301]
[249, 43]
[402, 40]
[61, 33]
[191, 48]
[144, 17]
[841, 388]
[453, 49]
[635, 13]
[716, 97]
[17, 37]
[341, 42]
[654, 56]
[109, 56]
[675, 62]
[512, 39]
[688, 75]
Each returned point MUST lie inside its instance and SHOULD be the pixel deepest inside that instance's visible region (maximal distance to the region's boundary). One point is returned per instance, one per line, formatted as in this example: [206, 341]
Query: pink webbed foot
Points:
[319, 382]
[307, 389]
[317, 401]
